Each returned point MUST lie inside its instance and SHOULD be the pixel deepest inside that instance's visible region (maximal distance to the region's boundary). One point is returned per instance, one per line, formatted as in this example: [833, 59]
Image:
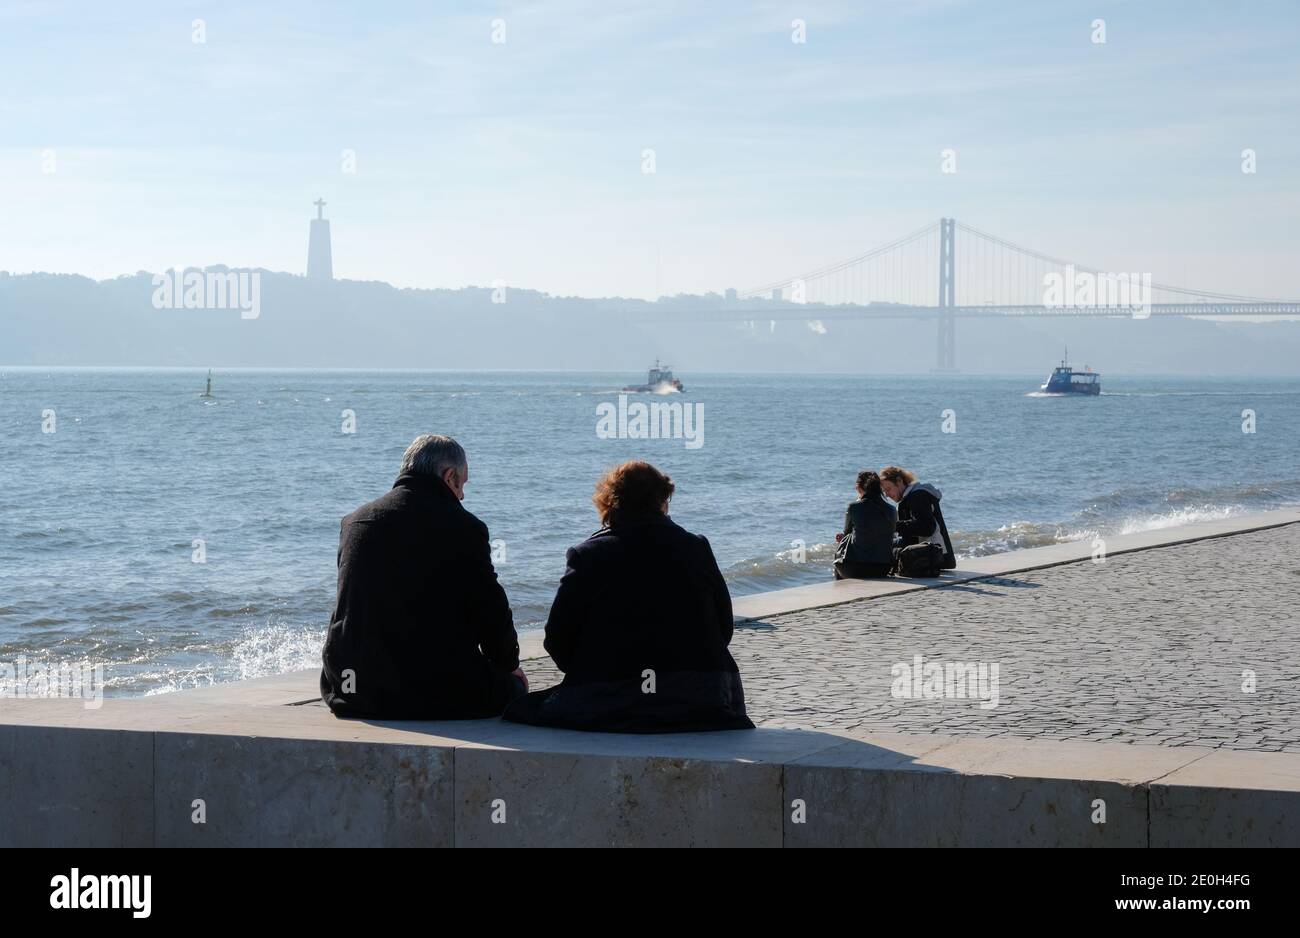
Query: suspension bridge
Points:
[933, 274]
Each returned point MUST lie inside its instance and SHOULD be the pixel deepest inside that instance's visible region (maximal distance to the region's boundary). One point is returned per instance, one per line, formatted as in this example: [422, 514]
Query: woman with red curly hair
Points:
[640, 624]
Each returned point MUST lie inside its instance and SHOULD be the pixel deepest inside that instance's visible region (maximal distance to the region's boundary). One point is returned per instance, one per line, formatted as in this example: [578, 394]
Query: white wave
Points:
[265, 651]
[1178, 517]
[276, 649]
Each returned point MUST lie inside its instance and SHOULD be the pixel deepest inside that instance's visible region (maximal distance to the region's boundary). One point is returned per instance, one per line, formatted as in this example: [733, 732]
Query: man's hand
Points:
[839, 537]
[519, 673]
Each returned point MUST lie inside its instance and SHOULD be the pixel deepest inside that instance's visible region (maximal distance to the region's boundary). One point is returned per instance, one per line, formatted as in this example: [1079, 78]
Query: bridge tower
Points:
[947, 352]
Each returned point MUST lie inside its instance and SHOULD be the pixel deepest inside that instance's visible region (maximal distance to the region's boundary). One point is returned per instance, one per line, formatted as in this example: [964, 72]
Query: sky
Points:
[467, 143]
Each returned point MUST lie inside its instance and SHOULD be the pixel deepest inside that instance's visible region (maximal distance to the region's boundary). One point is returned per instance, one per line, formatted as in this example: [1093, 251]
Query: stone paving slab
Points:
[974, 792]
[95, 787]
[1202, 804]
[308, 792]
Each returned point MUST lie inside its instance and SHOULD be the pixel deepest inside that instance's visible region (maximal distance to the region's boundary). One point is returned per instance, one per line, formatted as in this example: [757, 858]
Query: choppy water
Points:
[101, 516]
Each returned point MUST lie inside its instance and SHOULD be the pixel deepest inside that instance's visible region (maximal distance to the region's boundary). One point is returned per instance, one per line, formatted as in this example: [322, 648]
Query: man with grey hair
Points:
[422, 629]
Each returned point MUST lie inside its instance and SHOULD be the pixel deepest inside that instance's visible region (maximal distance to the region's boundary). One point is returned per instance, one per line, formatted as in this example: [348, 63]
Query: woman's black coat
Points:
[640, 627]
[869, 531]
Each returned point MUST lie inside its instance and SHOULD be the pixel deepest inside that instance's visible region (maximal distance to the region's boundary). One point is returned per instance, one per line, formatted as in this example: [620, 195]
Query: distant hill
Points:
[63, 319]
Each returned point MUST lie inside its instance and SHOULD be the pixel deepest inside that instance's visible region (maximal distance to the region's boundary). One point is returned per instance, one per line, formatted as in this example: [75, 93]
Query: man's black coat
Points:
[640, 627]
[421, 622]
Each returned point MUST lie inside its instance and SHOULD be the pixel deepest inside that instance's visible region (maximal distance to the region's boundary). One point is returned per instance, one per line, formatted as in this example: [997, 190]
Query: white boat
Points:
[660, 380]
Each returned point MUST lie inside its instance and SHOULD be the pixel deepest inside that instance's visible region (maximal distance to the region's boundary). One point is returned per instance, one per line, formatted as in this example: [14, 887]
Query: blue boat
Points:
[1065, 380]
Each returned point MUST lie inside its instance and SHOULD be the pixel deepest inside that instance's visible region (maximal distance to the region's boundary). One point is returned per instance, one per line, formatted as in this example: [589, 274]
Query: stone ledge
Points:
[292, 775]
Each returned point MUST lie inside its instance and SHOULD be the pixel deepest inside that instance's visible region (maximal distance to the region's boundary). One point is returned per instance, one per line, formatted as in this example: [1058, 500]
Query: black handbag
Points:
[920, 560]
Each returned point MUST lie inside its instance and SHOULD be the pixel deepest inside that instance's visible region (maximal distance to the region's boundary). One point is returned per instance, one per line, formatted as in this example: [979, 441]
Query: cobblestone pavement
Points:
[1153, 647]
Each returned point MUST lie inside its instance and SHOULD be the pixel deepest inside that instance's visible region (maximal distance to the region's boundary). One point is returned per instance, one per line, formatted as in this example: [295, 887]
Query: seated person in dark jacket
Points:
[920, 519]
[640, 624]
[866, 546]
[422, 629]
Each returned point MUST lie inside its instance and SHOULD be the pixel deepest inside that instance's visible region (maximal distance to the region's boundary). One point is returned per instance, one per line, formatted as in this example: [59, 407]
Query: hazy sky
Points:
[523, 159]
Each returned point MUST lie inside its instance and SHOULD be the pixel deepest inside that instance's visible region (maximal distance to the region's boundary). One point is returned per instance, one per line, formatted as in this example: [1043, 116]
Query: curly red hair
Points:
[632, 490]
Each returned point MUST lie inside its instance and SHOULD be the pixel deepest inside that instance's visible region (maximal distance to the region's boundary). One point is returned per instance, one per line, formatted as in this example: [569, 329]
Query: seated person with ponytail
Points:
[865, 549]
